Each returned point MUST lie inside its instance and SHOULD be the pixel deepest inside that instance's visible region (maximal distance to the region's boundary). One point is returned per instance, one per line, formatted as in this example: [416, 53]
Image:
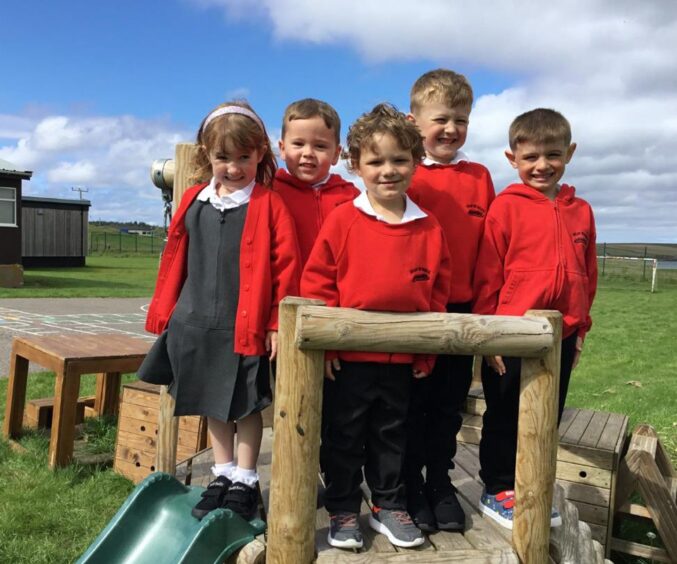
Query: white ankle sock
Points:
[227, 470]
[247, 476]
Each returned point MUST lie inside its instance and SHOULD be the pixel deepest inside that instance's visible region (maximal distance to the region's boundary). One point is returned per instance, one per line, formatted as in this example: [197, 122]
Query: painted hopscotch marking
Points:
[17, 321]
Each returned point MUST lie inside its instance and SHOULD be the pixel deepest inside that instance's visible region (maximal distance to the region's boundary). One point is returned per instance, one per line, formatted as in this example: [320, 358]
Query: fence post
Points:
[537, 441]
[296, 447]
[644, 265]
[603, 259]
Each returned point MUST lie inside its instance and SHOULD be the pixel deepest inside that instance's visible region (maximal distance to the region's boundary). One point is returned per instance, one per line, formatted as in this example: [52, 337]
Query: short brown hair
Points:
[384, 118]
[310, 108]
[441, 85]
[541, 125]
[241, 131]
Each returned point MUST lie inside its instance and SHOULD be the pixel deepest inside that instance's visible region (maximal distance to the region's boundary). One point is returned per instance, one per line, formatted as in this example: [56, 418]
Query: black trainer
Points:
[419, 509]
[212, 497]
[446, 508]
[242, 499]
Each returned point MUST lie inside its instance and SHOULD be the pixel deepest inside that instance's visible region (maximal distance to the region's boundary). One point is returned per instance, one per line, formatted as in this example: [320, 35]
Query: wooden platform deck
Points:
[483, 542]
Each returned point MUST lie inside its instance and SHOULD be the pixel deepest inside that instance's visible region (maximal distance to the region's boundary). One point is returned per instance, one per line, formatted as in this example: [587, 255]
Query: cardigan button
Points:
[244, 313]
[247, 264]
[248, 240]
[243, 341]
[246, 287]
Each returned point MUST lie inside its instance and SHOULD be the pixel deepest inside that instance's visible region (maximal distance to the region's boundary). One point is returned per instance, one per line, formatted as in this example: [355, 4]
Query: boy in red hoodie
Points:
[310, 145]
[458, 193]
[537, 252]
[380, 252]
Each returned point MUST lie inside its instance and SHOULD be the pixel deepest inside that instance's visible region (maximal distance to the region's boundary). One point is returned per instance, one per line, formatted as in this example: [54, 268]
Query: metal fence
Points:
[125, 243]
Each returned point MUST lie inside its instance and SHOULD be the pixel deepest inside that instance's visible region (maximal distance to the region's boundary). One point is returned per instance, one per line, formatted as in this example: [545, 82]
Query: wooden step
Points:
[38, 412]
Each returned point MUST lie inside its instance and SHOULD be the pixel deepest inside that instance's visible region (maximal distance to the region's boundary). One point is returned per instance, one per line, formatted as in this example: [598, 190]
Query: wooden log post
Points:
[537, 442]
[295, 463]
[168, 425]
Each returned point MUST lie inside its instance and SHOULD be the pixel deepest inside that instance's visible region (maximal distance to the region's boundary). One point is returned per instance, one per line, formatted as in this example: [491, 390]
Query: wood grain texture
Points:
[537, 440]
[296, 448]
[449, 333]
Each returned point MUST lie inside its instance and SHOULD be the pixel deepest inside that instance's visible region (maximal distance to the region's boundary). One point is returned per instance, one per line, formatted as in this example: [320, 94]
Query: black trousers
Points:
[498, 446]
[370, 402]
[434, 417]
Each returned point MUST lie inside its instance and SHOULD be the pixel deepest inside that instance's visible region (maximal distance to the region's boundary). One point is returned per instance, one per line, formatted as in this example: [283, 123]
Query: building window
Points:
[8, 206]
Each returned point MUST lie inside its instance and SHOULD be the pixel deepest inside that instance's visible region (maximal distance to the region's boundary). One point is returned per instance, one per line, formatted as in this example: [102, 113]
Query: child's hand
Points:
[330, 366]
[271, 344]
[418, 374]
[579, 350]
[496, 362]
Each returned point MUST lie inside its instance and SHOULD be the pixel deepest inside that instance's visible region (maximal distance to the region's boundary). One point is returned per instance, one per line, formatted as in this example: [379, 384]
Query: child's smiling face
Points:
[309, 149]
[444, 129]
[234, 168]
[541, 165]
[386, 169]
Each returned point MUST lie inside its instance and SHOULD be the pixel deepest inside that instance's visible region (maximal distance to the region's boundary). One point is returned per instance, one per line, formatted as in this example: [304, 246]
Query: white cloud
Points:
[608, 65]
[110, 156]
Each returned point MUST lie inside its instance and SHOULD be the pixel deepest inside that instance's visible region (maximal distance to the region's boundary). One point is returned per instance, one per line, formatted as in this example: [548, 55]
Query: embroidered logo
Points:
[419, 274]
[475, 210]
[581, 237]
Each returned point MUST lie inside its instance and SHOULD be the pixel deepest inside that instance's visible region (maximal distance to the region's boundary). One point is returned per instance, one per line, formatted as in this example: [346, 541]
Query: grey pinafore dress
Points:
[210, 379]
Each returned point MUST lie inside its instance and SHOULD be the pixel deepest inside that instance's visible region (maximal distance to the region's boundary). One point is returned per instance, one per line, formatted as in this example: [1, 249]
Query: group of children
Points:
[427, 234]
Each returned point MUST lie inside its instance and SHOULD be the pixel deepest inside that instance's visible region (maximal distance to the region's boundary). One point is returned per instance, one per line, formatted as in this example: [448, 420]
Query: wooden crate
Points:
[588, 457]
[38, 412]
[136, 443]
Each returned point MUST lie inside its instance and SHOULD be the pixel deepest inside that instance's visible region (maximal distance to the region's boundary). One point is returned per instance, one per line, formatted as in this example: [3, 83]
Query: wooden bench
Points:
[590, 448]
[69, 356]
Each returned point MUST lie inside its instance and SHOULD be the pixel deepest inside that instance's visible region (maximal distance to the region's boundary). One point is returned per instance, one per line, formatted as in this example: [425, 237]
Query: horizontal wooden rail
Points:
[319, 327]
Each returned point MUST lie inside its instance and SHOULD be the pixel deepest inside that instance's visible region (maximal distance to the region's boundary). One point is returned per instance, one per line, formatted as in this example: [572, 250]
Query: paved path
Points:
[49, 316]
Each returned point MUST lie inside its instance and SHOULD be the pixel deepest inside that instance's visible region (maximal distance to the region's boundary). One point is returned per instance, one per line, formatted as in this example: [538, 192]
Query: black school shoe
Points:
[212, 497]
[242, 499]
[419, 509]
[447, 510]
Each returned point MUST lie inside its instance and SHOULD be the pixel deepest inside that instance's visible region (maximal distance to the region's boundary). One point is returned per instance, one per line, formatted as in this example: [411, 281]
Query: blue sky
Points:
[92, 92]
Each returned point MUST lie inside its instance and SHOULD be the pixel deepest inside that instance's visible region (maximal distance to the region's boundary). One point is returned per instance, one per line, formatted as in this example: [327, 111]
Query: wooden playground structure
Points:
[307, 329]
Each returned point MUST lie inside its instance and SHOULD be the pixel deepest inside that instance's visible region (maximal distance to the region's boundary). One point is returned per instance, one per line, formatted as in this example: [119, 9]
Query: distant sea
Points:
[667, 264]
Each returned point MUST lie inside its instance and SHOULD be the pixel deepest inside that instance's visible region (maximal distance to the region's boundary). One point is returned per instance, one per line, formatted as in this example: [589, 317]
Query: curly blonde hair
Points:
[242, 132]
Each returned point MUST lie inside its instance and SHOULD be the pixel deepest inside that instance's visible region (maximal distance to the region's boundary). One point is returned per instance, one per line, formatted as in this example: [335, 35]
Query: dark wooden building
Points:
[11, 273]
[54, 232]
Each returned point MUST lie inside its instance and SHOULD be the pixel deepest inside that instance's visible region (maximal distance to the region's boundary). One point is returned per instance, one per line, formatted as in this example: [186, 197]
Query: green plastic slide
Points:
[154, 526]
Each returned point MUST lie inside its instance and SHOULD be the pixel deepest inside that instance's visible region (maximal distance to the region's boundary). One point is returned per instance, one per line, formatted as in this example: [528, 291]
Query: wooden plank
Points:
[586, 456]
[130, 470]
[151, 414]
[66, 390]
[446, 541]
[578, 426]
[16, 394]
[498, 556]
[635, 549]
[594, 430]
[589, 475]
[593, 495]
[187, 439]
[568, 416]
[614, 429]
[107, 393]
[594, 514]
[656, 496]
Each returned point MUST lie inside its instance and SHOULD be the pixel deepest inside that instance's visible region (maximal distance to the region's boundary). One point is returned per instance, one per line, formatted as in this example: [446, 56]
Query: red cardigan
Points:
[538, 254]
[459, 196]
[310, 206]
[269, 268]
[364, 263]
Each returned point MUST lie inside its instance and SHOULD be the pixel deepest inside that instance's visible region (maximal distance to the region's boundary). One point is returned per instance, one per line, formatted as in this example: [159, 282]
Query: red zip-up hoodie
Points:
[269, 268]
[538, 253]
[310, 206]
[458, 195]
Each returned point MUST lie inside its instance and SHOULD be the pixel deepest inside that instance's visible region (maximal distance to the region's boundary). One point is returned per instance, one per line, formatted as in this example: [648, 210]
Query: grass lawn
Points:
[104, 276]
[628, 366]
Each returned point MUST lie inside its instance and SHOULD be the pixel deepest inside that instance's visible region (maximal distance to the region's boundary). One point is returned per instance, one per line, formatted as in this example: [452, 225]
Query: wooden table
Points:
[70, 356]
